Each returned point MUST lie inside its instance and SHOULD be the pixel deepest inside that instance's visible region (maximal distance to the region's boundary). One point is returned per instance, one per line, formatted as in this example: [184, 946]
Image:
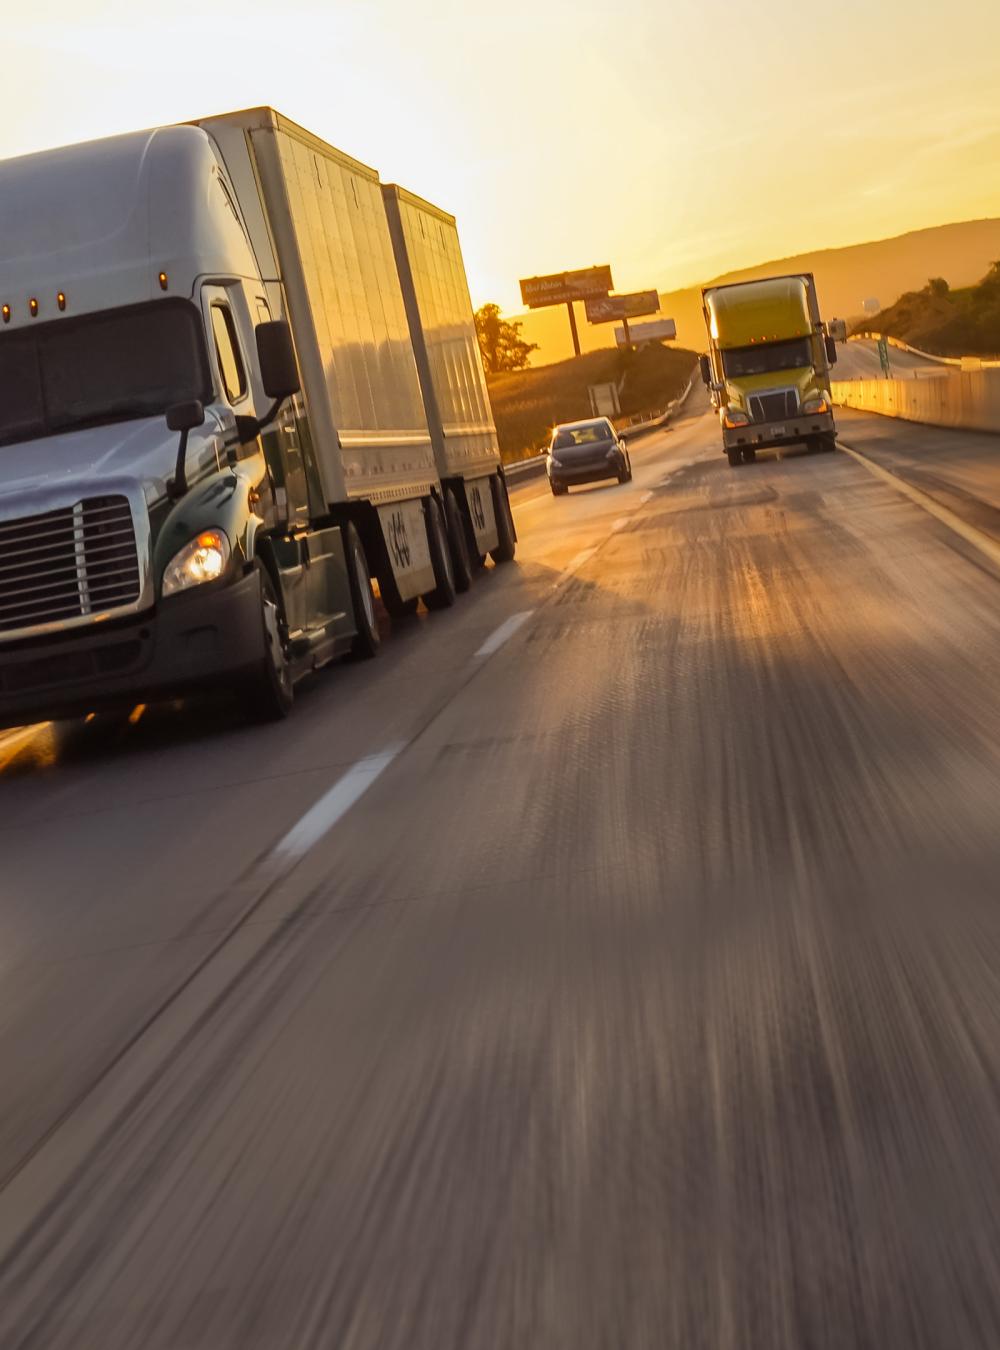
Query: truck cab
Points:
[768, 365]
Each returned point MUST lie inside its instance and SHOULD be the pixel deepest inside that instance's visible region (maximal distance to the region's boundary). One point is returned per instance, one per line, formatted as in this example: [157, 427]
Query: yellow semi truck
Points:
[768, 365]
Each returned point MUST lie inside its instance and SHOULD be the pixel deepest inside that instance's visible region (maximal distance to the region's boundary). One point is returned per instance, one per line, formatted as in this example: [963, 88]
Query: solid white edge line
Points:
[503, 634]
[335, 802]
[987, 546]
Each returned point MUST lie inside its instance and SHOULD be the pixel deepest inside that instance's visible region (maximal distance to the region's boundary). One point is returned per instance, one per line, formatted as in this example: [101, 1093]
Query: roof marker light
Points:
[33, 306]
[6, 313]
[61, 300]
[163, 281]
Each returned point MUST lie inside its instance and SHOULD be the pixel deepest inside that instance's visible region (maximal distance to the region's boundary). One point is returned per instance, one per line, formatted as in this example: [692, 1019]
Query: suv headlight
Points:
[205, 558]
[735, 417]
[812, 406]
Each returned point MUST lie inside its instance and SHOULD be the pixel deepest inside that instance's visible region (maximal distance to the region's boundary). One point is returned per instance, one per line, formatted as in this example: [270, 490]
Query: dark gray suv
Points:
[586, 452]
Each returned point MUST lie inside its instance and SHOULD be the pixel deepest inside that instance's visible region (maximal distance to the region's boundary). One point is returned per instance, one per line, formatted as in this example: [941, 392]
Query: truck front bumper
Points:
[192, 641]
[760, 435]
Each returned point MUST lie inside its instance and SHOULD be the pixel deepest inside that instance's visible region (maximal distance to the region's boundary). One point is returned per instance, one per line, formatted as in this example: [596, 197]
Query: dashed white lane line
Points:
[573, 564]
[620, 523]
[335, 802]
[502, 634]
[646, 497]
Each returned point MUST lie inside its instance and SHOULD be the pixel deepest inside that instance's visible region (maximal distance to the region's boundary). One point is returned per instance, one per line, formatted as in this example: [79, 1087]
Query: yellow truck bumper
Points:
[760, 435]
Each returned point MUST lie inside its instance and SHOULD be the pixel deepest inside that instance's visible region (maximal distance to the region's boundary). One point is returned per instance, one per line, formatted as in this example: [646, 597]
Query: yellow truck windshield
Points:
[768, 356]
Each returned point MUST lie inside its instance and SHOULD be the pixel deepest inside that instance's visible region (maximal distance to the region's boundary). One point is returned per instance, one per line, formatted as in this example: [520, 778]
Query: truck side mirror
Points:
[705, 366]
[182, 417]
[279, 372]
[185, 416]
[831, 350]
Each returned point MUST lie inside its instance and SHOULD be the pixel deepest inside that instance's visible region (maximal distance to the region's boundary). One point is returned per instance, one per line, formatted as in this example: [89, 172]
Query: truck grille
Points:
[774, 407]
[67, 564]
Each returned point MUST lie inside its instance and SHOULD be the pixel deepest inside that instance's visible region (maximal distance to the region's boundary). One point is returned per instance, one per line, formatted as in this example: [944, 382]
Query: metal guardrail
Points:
[958, 362]
[640, 424]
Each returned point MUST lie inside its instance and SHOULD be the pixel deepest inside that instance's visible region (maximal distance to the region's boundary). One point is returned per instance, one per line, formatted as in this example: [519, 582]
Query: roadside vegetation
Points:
[528, 403]
[944, 322]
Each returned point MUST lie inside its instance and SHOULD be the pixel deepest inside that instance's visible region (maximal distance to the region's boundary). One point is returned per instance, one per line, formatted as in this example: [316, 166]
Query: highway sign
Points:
[563, 287]
[659, 330]
[883, 356]
[607, 308]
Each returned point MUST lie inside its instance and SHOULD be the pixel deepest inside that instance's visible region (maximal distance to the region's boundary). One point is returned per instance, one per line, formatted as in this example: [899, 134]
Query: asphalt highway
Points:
[613, 963]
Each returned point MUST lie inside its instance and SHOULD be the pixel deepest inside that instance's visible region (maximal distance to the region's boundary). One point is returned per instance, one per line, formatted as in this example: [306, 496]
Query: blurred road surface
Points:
[615, 963]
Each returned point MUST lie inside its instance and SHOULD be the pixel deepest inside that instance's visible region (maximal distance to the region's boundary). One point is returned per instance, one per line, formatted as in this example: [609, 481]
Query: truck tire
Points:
[367, 639]
[506, 539]
[395, 606]
[443, 594]
[558, 489]
[268, 688]
[749, 454]
[735, 457]
[827, 443]
[461, 562]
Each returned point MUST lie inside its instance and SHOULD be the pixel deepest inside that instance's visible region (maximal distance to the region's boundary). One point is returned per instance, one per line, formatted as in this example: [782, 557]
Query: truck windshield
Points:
[761, 360]
[100, 368]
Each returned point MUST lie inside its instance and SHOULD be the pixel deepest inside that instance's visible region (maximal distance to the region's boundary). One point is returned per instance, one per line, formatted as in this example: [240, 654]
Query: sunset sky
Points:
[671, 138]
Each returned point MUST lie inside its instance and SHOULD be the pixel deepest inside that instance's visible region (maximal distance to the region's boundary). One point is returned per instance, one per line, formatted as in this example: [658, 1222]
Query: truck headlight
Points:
[812, 406]
[735, 417]
[205, 558]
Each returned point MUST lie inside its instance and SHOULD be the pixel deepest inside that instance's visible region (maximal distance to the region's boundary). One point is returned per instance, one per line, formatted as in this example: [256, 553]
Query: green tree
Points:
[937, 286]
[500, 341]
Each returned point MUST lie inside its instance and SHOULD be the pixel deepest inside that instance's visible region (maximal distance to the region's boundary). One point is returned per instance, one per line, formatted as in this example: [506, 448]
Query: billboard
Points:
[606, 308]
[660, 330]
[562, 287]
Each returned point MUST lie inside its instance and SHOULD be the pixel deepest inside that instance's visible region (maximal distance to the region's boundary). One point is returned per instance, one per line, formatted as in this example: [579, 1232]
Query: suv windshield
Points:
[590, 434]
[767, 357]
[100, 368]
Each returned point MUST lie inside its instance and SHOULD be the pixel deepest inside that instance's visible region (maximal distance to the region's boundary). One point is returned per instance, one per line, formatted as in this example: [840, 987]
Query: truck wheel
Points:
[750, 454]
[368, 639]
[459, 544]
[827, 443]
[268, 689]
[443, 594]
[506, 539]
[735, 457]
[558, 489]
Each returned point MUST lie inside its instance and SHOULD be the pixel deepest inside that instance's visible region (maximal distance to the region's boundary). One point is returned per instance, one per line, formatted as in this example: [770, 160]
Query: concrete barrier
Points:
[969, 400]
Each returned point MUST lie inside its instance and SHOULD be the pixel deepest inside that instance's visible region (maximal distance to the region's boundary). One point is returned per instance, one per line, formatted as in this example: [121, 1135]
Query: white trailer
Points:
[443, 332]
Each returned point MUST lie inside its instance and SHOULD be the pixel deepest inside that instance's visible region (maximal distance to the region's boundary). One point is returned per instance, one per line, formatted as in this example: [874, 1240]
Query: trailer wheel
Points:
[504, 551]
[443, 594]
[268, 688]
[735, 457]
[368, 639]
[461, 562]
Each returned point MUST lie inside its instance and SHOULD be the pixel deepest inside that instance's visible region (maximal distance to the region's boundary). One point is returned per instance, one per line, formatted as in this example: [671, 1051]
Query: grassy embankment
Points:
[528, 403]
[943, 322]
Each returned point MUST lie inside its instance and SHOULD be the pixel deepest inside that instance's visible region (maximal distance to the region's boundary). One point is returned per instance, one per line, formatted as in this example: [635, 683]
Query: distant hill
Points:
[528, 403]
[884, 269]
[962, 322]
